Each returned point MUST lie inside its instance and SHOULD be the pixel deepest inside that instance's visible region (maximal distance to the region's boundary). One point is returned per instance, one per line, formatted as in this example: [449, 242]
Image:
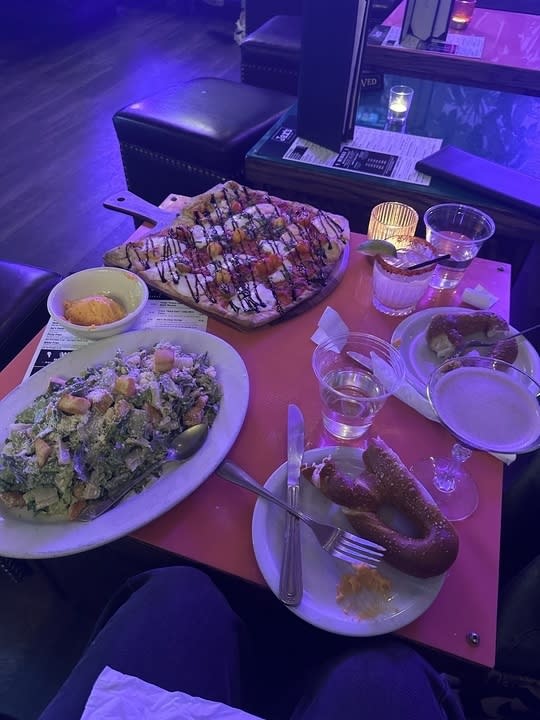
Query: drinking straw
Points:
[425, 263]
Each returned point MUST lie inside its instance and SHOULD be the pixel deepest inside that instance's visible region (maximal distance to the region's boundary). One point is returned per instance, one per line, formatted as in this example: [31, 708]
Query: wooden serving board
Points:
[176, 203]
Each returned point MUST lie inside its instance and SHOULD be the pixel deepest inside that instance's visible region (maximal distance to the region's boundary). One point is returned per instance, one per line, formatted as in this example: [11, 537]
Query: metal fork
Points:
[490, 343]
[339, 543]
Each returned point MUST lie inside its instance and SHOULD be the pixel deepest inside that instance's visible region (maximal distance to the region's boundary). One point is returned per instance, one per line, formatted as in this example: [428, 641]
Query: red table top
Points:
[278, 359]
[510, 39]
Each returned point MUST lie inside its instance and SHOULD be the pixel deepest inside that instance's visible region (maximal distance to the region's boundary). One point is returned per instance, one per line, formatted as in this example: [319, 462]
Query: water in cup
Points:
[351, 399]
[448, 273]
[458, 230]
[357, 372]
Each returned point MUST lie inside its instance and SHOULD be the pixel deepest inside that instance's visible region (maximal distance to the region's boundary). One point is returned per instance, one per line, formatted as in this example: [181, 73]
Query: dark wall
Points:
[29, 19]
[259, 11]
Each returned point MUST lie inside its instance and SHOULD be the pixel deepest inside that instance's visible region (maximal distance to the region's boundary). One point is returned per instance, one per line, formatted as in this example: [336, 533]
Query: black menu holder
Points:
[425, 21]
[333, 40]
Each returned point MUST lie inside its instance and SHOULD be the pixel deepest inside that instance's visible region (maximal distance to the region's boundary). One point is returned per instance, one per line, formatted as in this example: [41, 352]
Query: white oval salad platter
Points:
[29, 538]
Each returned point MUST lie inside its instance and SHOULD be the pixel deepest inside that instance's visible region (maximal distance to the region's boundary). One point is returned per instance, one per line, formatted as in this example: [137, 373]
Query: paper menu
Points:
[161, 312]
[372, 152]
[458, 44]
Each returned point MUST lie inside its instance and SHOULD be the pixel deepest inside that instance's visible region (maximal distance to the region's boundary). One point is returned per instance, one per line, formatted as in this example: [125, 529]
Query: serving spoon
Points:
[183, 446]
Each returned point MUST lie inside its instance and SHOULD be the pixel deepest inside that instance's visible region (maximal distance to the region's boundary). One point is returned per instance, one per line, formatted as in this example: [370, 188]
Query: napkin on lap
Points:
[331, 324]
[116, 696]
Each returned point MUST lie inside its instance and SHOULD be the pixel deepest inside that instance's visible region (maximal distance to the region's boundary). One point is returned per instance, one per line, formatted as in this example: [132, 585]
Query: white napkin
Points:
[331, 320]
[116, 696]
[479, 297]
[405, 392]
[330, 325]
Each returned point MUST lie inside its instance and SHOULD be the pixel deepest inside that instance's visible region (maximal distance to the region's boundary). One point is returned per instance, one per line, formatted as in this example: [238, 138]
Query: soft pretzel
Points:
[387, 482]
[447, 333]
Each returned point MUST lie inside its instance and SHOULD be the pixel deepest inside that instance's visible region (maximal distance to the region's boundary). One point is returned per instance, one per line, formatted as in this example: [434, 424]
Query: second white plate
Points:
[410, 339]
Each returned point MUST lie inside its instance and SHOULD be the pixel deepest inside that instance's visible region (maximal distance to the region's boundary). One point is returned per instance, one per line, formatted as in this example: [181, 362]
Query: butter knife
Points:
[290, 584]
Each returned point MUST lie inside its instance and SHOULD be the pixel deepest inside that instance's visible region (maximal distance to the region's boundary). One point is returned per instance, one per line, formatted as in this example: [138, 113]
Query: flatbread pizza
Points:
[240, 254]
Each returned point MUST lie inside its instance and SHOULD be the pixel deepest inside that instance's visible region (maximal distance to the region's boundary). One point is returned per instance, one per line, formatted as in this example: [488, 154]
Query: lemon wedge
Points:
[377, 247]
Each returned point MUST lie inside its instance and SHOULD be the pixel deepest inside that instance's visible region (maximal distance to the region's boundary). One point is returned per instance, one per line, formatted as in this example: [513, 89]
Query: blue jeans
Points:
[173, 628]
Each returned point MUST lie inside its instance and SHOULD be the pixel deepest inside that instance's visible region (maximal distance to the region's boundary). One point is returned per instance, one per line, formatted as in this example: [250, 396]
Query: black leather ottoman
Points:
[195, 135]
[23, 305]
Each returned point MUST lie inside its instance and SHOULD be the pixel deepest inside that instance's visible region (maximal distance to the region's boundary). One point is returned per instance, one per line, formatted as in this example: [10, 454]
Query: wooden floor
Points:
[59, 160]
[59, 152]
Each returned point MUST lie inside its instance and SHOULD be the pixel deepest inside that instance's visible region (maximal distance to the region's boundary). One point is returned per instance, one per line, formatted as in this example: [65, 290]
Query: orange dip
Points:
[93, 310]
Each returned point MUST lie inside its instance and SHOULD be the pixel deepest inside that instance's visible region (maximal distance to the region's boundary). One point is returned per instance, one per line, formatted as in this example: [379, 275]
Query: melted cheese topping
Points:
[203, 234]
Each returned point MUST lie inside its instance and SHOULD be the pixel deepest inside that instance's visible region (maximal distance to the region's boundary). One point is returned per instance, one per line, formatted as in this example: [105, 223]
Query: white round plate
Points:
[38, 539]
[321, 572]
[410, 339]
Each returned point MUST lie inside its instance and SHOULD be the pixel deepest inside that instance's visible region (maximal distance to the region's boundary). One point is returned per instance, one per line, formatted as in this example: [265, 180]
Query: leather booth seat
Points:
[23, 312]
[270, 55]
[23, 305]
[190, 137]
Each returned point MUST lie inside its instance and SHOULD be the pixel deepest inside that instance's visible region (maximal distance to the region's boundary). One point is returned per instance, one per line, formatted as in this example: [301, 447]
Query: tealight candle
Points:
[398, 107]
[462, 13]
[389, 219]
[399, 103]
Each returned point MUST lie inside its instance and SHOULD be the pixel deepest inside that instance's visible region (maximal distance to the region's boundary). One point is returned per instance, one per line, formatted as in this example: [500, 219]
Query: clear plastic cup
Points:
[458, 230]
[352, 392]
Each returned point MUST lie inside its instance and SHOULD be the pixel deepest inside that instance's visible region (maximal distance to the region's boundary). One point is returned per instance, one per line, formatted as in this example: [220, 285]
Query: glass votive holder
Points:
[397, 287]
[462, 13]
[392, 219]
[399, 104]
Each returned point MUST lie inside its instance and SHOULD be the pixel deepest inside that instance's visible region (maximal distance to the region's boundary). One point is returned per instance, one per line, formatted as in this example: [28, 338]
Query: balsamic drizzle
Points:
[181, 257]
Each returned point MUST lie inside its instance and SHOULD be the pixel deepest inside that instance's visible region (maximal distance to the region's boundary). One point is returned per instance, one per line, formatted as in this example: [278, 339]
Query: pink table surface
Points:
[213, 525]
[510, 39]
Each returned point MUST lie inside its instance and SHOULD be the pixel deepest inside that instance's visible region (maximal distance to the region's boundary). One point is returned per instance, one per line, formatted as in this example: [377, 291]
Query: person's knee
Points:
[162, 597]
[383, 676]
[172, 580]
[179, 589]
[379, 658]
[383, 651]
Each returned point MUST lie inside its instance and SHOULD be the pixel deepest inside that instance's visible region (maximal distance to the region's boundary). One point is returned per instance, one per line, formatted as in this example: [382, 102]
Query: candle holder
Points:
[399, 103]
[391, 219]
[462, 13]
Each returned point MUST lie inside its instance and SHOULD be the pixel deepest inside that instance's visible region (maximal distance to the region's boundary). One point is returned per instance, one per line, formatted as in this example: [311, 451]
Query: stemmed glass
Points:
[488, 405]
